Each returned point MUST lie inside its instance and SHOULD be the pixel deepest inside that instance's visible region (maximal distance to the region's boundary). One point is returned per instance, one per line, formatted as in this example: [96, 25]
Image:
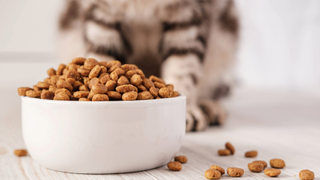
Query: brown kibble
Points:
[36, 88]
[46, 94]
[174, 166]
[175, 94]
[156, 79]
[71, 81]
[79, 60]
[81, 94]
[251, 154]
[306, 175]
[22, 90]
[224, 152]
[128, 67]
[114, 95]
[86, 81]
[104, 78]
[99, 89]
[90, 96]
[83, 71]
[64, 90]
[20, 152]
[165, 92]
[147, 83]
[104, 64]
[72, 66]
[60, 69]
[54, 79]
[122, 81]
[93, 81]
[77, 85]
[43, 85]
[141, 88]
[229, 146]
[235, 172]
[159, 85]
[130, 96]
[34, 94]
[139, 71]
[115, 63]
[111, 84]
[114, 76]
[72, 74]
[136, 80]
[255, 167]
[64, 72]
[170, 85]
[126, 88]
[53, 88]
[51, 72]
[272, 172]
[277, 163]
[130, 73]
[262, 162]
[218, 168]
[84, 99]
[90, 63]
[119, 71]
[61, 97]
[83, 88]
[95, 71]
[103, 69]
[144, 95]
[154, 91]
[181, 159]
[158, 97]
[47, 80]
[212, 174]
[100, 97]
[64, 84]
[114, 67]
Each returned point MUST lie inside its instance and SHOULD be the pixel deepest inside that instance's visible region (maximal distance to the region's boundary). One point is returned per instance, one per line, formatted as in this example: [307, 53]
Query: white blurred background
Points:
[279, 47]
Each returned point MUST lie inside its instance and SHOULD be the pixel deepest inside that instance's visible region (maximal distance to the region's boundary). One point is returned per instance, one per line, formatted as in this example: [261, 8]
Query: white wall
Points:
[280, 39]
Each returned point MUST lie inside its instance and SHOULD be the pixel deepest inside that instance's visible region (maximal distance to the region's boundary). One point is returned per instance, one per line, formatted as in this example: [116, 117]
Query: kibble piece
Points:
[218, 168]
[72, 66]
[93, 82]
[83, 88]
[130, 96]
[54, 79]
[84, 99]
[255, 167]
[61, 97]
[119, 71]
[79, 60]
[64, 90]
[53, 88]
[175, 94]
[165, 92]
[104, 78]
[140, 72]
[170, 85]
[103, 69]
[99, 89]
[95, 71]
[154, 91]
[60, 69]
[251, 154]
[47, 80]
[81, 94]
[181, 159]
[104, 64]
[158, 97]
[71, 81]
[83, 71]
[306, 175]
[272, 172]
[277, 163]
[224, 152]
[51, 72]
[22, 90]
[72, 74]
[159, 85]
[144, 95]
[46, 94]
[147, 83]
[265, 164]
[90, 96]
[122, 81]
[100, 97]
[77, 85]
[156, 79]
[114, 76]
[126, 88]
[20, 152]
[114, 63]
[64, 72]
[43, 85]
[212, 174]
[130, 73]
[127, 67]
[111, 84]
[136, 80]
[235, 172]
[174, 166]
[141, 88]
[34, 94]
[114, 67]
[90, 63]
[114, 95]
[36, 88]
[229, 146]
[64, 84]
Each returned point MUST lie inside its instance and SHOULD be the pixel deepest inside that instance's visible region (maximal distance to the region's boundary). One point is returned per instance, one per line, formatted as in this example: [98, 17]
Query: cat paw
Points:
[196, 119]
[214, 111]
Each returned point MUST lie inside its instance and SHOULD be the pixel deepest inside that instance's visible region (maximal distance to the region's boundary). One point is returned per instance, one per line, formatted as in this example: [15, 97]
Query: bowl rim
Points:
[151, 101]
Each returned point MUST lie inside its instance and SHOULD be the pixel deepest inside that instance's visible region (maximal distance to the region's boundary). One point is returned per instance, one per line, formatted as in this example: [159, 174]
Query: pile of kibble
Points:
[90, 80]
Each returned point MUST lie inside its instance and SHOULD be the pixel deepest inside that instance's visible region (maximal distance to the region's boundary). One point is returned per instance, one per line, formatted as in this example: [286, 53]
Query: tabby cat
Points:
[189, 43]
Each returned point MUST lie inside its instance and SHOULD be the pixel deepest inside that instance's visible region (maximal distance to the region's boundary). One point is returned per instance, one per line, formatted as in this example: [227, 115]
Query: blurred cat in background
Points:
[189, 43]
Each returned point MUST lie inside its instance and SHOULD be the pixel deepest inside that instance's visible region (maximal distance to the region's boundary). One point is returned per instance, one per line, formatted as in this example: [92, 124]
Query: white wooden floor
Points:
[276, 123]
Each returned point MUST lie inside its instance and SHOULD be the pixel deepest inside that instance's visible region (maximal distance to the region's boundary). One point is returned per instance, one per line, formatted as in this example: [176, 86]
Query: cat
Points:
[190, 43]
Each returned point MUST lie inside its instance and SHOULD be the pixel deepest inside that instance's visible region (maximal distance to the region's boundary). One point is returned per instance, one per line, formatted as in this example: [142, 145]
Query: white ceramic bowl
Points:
[103, 137]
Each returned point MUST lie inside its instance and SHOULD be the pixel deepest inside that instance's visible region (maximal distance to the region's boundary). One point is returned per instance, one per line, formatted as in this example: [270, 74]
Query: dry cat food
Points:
[277, 163]
[265, 164]
[174, 166]
[272, 172]
[224, 152]
[235, 172]
[181, 159]
[230, 147]
[20, 152]
[212, 174]
[255, 167]
[90, 80]
[218, 168]
[306, 175]
[251, 154]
